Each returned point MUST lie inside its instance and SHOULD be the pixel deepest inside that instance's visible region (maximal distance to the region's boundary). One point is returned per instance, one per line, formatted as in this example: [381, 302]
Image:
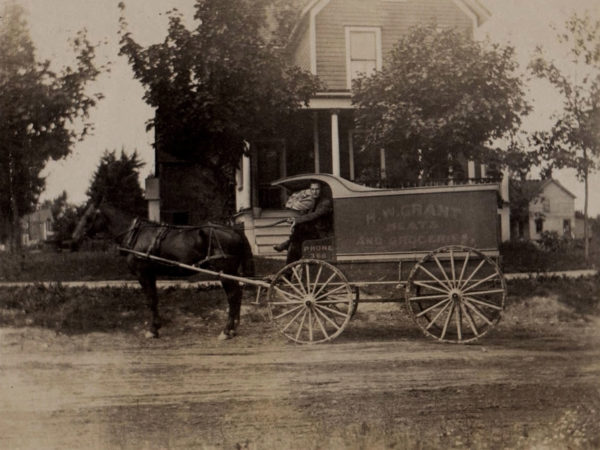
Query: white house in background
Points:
[551, 207]
[37, 227]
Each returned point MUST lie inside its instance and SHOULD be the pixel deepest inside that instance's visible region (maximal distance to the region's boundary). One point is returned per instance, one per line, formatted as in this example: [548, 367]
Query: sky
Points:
[121, 116]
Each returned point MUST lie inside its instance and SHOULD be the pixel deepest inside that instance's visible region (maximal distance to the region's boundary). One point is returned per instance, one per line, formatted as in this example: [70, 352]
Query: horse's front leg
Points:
[148, 282]
[234, 299]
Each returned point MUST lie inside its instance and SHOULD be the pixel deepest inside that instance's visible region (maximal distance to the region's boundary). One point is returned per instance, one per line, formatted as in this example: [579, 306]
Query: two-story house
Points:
[335, 40]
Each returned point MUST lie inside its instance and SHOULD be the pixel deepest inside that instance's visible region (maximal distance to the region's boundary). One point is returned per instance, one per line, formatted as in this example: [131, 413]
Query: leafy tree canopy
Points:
[116, 180]
[38, 108]
[440, 96]
[574, 139]
[218, 84]
[284, 16]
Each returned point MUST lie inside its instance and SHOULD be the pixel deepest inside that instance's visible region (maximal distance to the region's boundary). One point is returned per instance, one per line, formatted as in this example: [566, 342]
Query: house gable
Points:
[553, 199]
[320, 41]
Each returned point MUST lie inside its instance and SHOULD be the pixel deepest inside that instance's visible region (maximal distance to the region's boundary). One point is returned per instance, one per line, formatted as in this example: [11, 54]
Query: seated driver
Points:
[314, 224]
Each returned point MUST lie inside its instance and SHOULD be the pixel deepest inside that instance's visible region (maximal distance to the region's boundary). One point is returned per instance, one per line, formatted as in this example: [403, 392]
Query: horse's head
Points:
[91, 223]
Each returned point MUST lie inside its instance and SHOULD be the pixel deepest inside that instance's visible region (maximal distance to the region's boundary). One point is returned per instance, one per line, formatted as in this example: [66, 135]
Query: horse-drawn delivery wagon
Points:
[434, 248]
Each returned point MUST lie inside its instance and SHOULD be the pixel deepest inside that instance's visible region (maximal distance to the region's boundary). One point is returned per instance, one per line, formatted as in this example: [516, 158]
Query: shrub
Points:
[551, 241]
[525, 256]
[63, 266]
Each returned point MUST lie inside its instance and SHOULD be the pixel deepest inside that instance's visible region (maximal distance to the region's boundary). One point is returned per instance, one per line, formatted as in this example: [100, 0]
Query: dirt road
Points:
[535, 380]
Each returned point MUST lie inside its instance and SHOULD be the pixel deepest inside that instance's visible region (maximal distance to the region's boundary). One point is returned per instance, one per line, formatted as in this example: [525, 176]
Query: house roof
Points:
[533, 188]
[475, 6]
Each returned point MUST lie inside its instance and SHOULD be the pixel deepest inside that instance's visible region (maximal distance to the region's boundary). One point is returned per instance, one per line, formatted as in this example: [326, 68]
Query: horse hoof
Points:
[151, 335]
[224, 336]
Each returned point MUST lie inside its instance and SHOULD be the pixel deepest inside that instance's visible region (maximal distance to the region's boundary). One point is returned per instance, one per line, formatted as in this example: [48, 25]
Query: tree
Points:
[216, 86]
[116, 180]
[284, 16]
[440, 97]
[574, 139]
[65, 216]
[38, 108]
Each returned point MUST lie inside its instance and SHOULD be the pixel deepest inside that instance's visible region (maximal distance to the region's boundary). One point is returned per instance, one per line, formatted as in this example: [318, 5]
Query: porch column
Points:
[335, 144]
[504, 186]
[243, 187]
[351, 155]
[471, 170]
[316, 142]
[246, 188]
[152, 195]
[382, 168]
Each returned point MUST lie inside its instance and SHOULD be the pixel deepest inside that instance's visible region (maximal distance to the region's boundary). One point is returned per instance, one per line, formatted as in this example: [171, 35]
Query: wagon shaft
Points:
[225, 276]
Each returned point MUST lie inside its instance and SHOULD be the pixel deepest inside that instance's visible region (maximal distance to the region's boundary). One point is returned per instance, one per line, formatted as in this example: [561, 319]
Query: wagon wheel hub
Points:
[309, 300]
[456, 295]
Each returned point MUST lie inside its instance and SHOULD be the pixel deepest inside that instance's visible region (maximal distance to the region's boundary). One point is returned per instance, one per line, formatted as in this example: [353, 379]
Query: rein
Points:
[278, 222]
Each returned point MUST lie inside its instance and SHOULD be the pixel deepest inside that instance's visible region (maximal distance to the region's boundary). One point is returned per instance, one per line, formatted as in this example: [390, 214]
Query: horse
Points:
[211, 246]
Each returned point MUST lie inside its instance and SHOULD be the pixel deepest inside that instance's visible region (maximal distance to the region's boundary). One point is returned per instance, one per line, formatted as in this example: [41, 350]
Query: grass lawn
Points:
[109, 265]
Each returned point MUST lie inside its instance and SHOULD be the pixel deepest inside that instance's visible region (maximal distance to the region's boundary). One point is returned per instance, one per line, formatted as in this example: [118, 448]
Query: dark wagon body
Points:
[432, 247]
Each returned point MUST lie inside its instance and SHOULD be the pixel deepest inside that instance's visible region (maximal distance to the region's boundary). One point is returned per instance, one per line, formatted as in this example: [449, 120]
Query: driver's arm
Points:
[323, 207]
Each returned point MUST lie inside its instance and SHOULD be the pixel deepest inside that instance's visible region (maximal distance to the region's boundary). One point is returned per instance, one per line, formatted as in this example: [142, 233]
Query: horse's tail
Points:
[247, 262]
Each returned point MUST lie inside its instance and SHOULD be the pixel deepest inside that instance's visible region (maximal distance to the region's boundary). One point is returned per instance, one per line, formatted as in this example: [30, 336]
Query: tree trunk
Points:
[586, 244]
[15, 222]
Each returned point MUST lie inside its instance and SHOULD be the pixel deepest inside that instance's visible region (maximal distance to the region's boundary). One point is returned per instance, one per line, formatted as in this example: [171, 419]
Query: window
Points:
[363, 52]
[567, 227]
[539, 225]
[546, 205]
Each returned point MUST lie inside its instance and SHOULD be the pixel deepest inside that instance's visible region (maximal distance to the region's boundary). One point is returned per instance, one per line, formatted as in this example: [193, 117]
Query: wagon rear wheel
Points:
[455, 294]
[310, 301]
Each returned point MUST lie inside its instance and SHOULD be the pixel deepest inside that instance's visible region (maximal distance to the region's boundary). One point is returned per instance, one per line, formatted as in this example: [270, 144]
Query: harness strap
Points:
[214, 248]
[212, 239]
[132, 233]
[162, 232]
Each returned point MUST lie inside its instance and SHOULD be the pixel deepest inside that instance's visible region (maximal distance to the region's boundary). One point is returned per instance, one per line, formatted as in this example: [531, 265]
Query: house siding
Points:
[560, 206]
[37, 226]
[393, 18]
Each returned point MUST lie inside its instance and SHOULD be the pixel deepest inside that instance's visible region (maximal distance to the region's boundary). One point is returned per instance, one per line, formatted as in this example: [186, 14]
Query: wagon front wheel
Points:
[310, 301]
[455, 294]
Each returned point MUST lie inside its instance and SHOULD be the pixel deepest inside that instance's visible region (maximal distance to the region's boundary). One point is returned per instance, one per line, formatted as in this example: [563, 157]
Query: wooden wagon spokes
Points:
[310, 301]
[455, 307]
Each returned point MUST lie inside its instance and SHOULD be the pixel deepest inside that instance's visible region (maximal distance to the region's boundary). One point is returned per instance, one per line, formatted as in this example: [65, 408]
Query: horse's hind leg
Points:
[148, 282]
[234, 298]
